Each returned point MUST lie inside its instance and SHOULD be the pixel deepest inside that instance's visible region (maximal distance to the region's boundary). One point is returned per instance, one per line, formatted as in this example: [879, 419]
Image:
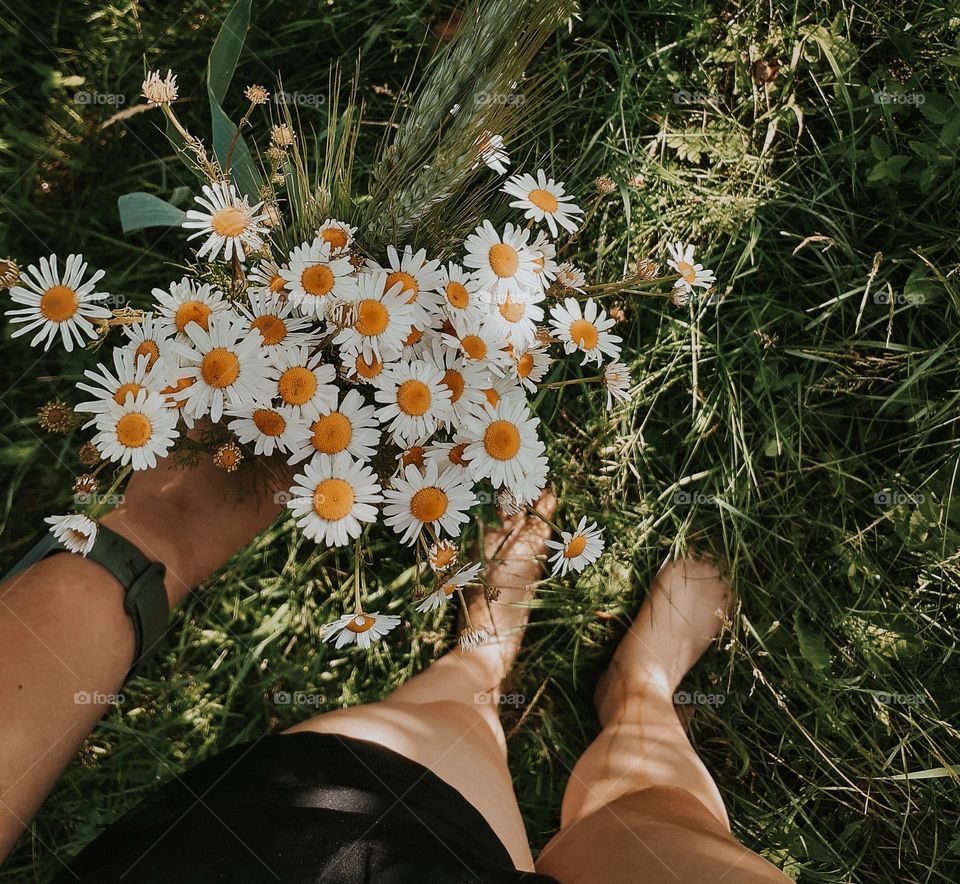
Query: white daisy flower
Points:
[314, 276]
[230, 223]
[188, 302]
[461, 296]
[338, 235]
[449, 455]
[544, 264]
[691, 275]
[534, 480]
[176, 404]
[515, 319]
[505, 389]
[228, 367]
[443, 555]
[478, 342]
[576, 549]
[491, 153]
[571, 277]
[58, 303]
[350, 426]
[439, 597]
[265, 279]
[383, 319]
[76, 532]
[530, 366]
[466, 380]
[586, 330]
[159, 90]
[616, 380]
[151, 340]
[130, 375]
[269, 429]
[507, 446]
[362, 370]
[419, 278]
[332, 497]
[440, 500]
[504, 265]
[304, 382]
[413, 400]
[276, 322]
[360, 629]
[542, 198]
[137, 432]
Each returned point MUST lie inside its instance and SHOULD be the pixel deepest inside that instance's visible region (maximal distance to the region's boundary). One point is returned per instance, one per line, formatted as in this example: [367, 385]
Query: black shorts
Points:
[302, 807]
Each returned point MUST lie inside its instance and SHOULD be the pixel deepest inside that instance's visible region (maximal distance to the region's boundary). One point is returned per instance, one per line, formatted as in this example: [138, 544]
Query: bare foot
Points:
[683, 613]
[513, 556]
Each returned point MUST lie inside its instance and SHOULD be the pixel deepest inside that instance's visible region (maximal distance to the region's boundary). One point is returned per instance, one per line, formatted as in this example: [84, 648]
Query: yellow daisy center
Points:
[576, 546]
[445, 555]
[456, 454]
[331, 433]
[134, 430]
[584, 334]
[181, 384]
[121, 395]
[368, 369]
[525, 365]
[227, 457]
[414, 456]
[335, 236]
[493, 397]
[414, 337]
[231, 221]
[360, 623]
[372, 318]
[317, 280]
[501, 440]
[408, 282]
[543, 200]
[429, 504]
[192, 311]
[413, 398]
[538, 264]
[687, 271]
[333, 499]
[513, 311]
[454, 380]
[269, 422]
[277, 284]
[474, 346]
[220, 368]
[151, 350]
[58, 303]
[504, 260]
[457, 295]
[297, 385]
[272, 329]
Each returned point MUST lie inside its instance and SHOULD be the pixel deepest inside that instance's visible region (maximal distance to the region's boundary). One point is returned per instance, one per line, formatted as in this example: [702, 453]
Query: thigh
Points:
[659, 835]
[453, 740]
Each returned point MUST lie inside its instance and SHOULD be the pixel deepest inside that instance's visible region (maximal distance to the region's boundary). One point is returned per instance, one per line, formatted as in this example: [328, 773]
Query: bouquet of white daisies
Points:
[397, 383]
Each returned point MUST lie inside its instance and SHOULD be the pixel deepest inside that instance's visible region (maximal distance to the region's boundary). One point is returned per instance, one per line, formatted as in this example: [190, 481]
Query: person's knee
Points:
[463, 721]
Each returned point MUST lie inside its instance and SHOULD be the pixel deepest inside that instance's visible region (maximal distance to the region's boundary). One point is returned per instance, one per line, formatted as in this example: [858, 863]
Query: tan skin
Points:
[639, 798]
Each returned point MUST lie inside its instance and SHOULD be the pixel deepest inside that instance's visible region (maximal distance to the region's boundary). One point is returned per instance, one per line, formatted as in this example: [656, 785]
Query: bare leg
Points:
[640, 804]
[447, 717]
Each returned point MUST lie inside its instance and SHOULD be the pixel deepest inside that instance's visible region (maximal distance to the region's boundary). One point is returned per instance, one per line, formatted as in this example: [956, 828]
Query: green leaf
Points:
[813, 646]
[139, 210]
[879, 148]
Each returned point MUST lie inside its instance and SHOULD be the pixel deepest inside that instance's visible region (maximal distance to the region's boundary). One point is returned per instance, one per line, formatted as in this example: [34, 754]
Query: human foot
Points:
[513, 556]
[683, 613]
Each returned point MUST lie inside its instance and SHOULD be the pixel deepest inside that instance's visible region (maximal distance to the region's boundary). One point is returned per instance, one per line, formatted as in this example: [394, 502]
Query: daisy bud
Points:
[55, 417]
[88, 454]
[228, 457]
[256, 94]
[282, 136]
[491, 593]
[680, 297]
[605, 185]
[647, 269]
[472, 637]
[443, 555]
[617, 313]
[86, 484]
[9, 273]
[159, 90]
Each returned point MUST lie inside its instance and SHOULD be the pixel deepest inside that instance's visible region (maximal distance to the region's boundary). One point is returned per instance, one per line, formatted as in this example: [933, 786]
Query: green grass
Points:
[766, 424]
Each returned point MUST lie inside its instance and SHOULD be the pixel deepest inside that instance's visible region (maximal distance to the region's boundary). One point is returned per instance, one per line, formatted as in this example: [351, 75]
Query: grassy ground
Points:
[801, 422]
